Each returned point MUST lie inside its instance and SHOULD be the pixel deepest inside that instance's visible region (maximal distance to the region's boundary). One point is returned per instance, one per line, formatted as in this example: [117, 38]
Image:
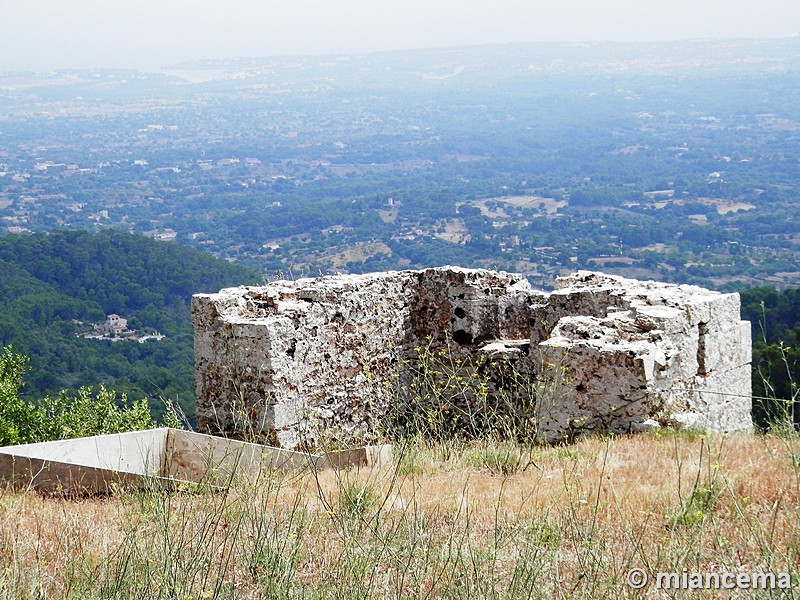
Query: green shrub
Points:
[357, 498]
[70, 414]
[83, 412]
[18, 419]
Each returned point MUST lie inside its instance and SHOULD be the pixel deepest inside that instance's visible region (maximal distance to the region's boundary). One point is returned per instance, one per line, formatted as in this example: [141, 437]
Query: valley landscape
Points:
[673, 161]
[125, 192]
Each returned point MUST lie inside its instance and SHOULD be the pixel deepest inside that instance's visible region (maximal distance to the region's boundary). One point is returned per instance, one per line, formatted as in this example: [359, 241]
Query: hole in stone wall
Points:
[460, 312]
[462, 337]
[702, 330]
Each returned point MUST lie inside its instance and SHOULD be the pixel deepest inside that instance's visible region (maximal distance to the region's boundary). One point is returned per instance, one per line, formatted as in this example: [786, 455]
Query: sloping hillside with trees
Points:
[775, 317]
[59, 287]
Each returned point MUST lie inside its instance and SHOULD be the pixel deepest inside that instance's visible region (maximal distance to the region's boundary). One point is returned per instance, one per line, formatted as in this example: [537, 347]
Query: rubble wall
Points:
[295, 362]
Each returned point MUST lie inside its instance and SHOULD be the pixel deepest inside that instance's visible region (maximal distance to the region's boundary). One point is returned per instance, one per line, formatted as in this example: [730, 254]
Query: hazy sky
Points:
[48, 34]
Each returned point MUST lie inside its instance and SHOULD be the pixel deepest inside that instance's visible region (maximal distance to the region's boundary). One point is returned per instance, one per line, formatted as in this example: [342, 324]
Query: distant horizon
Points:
[195, 62]
[46, 35]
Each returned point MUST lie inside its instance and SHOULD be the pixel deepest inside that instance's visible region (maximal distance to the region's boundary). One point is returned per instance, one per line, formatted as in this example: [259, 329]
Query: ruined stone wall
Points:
[270, 360]
[647, 354]
[295, 362]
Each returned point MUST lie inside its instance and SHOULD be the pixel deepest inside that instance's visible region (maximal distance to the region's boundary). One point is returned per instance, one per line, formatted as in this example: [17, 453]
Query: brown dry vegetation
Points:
[444, 521]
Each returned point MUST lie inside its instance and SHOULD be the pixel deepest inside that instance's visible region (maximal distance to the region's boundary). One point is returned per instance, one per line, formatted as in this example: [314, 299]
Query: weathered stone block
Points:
[300, 362]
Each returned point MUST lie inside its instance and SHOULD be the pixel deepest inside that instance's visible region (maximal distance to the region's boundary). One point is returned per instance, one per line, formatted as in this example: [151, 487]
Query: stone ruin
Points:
[296, 363]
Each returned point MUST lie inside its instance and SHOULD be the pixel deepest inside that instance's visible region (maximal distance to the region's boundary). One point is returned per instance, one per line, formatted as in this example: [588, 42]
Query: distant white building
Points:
[115, 324]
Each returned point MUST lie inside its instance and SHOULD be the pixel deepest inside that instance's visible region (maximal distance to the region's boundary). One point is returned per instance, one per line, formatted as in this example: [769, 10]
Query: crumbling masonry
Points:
[296, 362]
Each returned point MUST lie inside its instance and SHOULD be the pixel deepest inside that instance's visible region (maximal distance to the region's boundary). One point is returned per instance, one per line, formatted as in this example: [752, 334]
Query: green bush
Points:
[17, 418]
[83, 412]
[70, 414]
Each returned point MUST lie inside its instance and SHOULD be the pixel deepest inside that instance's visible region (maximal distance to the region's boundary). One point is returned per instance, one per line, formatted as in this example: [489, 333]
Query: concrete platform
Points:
[168, 457]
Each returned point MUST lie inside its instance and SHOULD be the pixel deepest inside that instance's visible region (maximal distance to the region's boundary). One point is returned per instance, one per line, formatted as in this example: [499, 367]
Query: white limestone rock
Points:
[299, 362]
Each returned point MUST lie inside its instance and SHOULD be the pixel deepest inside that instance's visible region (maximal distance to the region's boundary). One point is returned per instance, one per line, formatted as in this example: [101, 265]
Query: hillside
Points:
[56, 286]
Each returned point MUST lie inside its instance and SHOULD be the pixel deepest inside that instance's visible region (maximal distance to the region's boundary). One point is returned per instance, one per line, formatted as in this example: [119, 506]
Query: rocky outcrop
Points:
[299, 362]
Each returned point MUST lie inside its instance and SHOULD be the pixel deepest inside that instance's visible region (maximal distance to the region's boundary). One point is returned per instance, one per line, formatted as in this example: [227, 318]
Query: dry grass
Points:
[479, 521]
